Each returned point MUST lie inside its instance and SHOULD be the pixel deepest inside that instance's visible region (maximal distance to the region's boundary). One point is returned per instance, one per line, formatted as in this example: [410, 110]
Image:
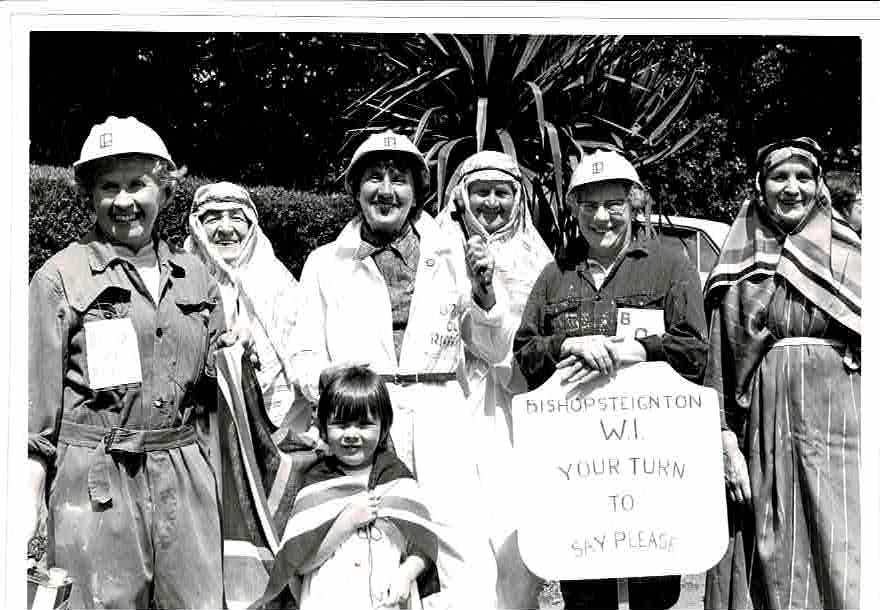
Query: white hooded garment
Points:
[520, 255]
[257, 290]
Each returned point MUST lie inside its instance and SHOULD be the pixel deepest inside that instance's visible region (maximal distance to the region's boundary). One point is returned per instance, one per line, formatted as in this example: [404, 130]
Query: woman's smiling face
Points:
[226, 230]
[604, 216]
[790, 190]
[386, 195]
[491, 203]
[127, 199]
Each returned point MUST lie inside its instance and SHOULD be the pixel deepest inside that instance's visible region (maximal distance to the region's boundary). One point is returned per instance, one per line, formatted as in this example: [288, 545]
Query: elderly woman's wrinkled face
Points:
[604, 214]
[789, 190]
[386, 195]
[226, 230]
[491, 203]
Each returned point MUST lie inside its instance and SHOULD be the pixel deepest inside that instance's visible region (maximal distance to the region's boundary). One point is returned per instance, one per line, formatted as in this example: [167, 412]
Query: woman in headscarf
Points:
[487, 199]
[258, 291]
[785, 335]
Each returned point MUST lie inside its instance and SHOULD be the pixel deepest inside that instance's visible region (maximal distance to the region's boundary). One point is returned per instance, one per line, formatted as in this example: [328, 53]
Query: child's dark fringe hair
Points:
[352, 394]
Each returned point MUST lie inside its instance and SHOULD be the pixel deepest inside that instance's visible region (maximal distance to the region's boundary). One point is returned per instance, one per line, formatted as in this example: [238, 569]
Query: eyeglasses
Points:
[615, 207]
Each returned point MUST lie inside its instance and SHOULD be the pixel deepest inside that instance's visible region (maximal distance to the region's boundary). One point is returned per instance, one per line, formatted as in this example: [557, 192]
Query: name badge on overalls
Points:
[637, 323]
[112, 354]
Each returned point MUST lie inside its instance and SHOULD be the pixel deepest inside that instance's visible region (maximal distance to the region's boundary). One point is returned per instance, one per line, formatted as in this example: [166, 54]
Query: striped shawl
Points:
[822, 260]
[327, 491]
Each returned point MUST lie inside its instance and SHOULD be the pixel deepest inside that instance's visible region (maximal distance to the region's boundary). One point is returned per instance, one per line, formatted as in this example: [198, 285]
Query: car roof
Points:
[716, 230]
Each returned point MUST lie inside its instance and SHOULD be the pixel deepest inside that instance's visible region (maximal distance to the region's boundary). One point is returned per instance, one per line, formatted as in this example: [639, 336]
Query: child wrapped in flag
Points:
[360, 535]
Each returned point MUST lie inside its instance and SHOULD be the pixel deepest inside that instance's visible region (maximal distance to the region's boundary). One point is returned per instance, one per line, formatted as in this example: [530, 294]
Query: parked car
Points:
[701, 239]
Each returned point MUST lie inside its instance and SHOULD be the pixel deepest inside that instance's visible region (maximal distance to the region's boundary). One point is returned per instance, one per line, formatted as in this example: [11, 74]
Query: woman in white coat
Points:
[394, 292]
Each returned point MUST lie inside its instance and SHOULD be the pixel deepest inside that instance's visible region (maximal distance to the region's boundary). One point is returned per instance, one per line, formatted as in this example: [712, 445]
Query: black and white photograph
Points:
[437, 305]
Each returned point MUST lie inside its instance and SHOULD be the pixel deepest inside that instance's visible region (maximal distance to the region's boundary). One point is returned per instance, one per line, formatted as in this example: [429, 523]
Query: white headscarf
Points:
[256, 287]
[519, 251]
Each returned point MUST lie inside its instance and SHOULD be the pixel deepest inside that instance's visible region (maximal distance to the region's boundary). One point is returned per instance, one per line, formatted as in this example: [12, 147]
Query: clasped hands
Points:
[600, 353]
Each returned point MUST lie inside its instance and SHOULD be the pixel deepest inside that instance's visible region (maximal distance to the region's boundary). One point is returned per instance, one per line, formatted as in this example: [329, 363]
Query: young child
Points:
[359, 536]
[120, 330]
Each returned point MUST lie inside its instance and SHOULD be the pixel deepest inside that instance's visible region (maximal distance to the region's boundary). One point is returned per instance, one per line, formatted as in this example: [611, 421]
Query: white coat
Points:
[345, 315]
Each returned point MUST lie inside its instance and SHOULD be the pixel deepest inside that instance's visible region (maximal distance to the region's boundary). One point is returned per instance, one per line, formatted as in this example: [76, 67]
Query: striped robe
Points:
[794, 404]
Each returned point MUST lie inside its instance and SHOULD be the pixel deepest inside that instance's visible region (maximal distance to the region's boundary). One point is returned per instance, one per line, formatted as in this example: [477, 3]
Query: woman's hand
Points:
[241, 333]
[736, 471]
[37, 475]
[591, 352]
[481, 267]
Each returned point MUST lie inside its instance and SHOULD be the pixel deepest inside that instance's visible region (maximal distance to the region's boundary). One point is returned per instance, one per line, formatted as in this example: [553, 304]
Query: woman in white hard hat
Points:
[571, 322]
[259, 293]
[785, 357]
[393, 291]
[487, 199]
[120, 390]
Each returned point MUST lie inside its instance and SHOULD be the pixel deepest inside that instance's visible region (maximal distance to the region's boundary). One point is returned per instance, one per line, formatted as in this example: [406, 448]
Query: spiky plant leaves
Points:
[585, 92]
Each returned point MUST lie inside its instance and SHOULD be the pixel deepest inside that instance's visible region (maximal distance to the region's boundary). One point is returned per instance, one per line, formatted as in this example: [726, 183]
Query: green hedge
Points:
[296, 222]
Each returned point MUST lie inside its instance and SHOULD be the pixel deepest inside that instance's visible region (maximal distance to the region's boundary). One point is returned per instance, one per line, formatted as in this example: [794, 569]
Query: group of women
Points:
[456, 314]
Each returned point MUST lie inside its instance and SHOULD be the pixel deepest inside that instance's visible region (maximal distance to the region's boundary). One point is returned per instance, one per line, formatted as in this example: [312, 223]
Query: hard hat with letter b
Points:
[603, 165]
[389, 143]
[126, 136]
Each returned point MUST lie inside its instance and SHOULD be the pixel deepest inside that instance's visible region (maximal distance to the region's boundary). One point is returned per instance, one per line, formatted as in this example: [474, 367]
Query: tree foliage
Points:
[288, 108]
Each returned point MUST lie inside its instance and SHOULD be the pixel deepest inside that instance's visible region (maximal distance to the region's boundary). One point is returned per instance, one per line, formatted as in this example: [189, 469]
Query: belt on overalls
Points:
[410, 378]
[117, 442]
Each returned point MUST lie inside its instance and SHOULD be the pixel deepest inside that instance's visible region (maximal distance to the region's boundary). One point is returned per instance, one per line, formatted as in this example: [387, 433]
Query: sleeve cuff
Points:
[653, 345]
[554, 347]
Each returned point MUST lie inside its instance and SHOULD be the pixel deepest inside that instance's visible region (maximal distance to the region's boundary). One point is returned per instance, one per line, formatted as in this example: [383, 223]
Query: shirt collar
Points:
[102, 253]
[637, 247]
[404, 245]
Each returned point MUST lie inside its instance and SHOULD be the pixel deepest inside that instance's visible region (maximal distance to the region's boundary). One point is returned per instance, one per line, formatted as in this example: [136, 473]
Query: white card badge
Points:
[638, 323]
[112, 354]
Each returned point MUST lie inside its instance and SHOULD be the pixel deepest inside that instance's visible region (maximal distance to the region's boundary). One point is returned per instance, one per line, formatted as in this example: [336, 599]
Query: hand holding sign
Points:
[640, 454]
[590, 352]
[576, 368]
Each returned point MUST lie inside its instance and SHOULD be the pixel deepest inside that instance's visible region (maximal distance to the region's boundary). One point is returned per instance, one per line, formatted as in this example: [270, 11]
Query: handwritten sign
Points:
[626, 476]
[112, 354]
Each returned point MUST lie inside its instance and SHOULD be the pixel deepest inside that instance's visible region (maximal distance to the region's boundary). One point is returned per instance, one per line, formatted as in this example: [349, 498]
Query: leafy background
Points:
[287, 109]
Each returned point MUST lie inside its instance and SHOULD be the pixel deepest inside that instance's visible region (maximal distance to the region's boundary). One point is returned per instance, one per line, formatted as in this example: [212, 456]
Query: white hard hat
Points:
[117, 136]
[603, 165]
[387, 142]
